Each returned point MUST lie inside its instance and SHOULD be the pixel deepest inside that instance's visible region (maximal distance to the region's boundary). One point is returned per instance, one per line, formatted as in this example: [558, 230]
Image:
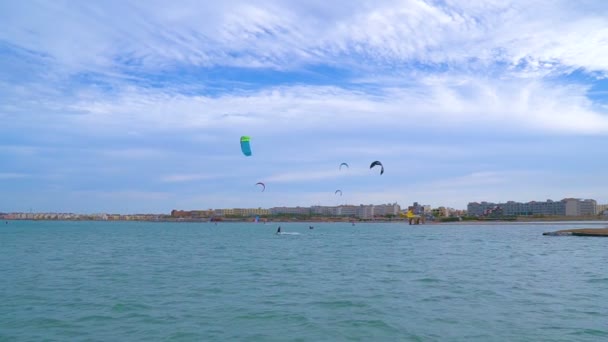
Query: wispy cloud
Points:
[279, 34]
[443, 101]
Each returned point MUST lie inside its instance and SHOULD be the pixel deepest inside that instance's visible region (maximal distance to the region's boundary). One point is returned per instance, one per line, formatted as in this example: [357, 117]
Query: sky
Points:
[138, 107]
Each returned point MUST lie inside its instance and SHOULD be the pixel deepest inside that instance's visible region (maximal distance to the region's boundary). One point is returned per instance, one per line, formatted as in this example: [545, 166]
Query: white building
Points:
[578, 207]
[387, 209]
[365, 212]
[347, 210]
[565, 207]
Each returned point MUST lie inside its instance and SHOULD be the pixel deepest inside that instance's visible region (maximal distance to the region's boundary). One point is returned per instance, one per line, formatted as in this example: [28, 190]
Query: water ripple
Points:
[192, 282]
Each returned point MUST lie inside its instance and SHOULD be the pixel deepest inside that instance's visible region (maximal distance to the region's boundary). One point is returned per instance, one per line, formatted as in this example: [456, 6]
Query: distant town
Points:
[549, 209]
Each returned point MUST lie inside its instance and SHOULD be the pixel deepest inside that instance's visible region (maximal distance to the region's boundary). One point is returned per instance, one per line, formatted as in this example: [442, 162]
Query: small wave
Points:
[371, 323]
[49, 323]
[185, 336]
[120, 307]
[428, 280]
[260, 316]
[439, 298]
[341, 304]
[598, 280]
[94, 318]
[288, 233]
[591, 332]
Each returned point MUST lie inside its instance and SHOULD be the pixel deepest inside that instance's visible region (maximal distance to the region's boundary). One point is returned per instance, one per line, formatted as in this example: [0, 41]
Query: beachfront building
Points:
[347, 210]
[365, 212]
[577, 207]
[479, 208]
[361, 211]
[245, 212]
[442, 212]
[203, 213]
[602, 209]
[418, 209]
[224, 212]
[368, 212]
[565, 207]
[234, 212]
[390, 209]
[290, 211]
[319, 210]
[238, 212]
[341, 210]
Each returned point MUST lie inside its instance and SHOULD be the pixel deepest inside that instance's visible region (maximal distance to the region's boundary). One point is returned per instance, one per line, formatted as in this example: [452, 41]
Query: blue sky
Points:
[129, 106]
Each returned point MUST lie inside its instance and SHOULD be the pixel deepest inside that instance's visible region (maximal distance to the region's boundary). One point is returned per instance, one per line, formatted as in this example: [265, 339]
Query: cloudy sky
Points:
[131, 106]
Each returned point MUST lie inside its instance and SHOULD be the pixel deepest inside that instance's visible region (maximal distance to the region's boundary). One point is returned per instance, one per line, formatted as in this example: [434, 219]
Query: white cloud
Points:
[113, 35]
[439, 101]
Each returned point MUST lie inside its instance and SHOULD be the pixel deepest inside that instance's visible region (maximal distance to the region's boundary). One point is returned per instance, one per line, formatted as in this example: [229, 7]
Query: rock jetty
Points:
[580, 232]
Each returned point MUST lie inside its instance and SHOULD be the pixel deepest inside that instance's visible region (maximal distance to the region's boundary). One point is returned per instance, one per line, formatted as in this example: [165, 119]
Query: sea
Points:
[159, 281]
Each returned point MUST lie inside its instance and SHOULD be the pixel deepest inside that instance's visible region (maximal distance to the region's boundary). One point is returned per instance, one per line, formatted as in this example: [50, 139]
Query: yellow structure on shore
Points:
[413, 218]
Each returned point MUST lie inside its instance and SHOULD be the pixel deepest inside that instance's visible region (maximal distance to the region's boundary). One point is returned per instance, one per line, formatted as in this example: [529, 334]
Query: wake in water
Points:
[279, 232]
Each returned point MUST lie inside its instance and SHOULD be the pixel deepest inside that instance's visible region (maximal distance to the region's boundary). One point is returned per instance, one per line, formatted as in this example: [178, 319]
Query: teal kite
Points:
[343, 164]
[245, 147]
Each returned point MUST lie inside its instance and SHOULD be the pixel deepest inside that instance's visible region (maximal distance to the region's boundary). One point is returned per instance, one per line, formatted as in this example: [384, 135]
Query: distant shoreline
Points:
[538, 221]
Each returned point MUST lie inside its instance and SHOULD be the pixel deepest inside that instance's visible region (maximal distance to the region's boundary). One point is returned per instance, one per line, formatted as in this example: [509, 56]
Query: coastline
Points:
[544, 221]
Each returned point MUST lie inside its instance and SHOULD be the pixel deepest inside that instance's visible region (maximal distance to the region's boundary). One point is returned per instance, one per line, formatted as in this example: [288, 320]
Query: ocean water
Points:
[138, 281]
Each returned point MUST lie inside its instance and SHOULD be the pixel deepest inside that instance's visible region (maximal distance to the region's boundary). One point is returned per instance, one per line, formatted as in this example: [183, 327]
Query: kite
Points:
[376, 163]
[245, 145]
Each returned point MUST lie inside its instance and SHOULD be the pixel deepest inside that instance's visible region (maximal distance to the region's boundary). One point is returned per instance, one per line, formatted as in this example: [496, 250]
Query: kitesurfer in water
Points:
[311, 227]
[279, 230]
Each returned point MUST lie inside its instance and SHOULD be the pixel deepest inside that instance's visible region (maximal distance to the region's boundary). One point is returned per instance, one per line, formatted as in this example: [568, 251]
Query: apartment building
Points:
[577, 207]
[319, 210]
[290, 211]
[565, 207]
[386, 209]
[348, 210]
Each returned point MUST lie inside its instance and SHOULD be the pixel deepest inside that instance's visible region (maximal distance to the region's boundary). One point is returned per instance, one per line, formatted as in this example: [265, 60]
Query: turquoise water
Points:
[135, 281]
